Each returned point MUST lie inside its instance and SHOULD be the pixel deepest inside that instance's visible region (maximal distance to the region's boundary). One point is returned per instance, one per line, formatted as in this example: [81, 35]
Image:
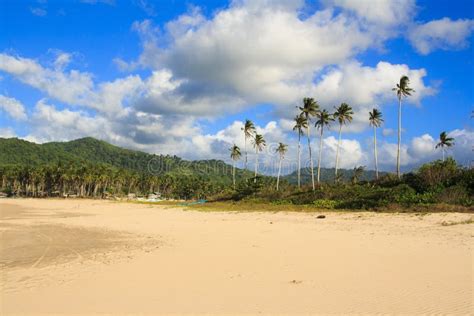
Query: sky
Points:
[180, 77]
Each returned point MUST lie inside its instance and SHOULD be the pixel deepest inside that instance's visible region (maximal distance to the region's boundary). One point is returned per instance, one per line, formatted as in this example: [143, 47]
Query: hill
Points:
[94, 151]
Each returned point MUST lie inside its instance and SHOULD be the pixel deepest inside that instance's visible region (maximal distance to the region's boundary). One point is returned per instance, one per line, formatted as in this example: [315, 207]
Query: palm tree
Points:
[259, 143]
[403, 90]
[324, 118]
[249, 130]
[310, 108]
[375, 120]
[235, 155]
[357, 173]
[281, 150]
[444, 141]
[343, 115]
[300, 124]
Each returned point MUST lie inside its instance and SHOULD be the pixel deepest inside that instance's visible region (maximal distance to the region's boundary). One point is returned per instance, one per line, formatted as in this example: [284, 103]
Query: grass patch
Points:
[251, 206]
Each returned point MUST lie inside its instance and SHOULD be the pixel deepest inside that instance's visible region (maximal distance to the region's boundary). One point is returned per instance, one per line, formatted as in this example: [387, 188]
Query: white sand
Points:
[186, 262]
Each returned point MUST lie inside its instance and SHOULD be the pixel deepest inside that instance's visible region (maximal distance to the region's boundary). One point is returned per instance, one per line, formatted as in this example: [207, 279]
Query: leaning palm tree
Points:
[259, 143]
[375, 120]
[249, 130]
[444, 142]
[281, 150]
[357, 174]
[343, 115]
[235, 155]
[310, 108]
[403, 90]
[300, 124]
[324, 118]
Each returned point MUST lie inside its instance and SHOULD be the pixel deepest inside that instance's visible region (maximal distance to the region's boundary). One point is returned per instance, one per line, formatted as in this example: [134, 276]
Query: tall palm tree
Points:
[300, 124]
[324, 118]
[281, 150]
[235, 155]
[375, 120]
[259, 143]
[403, 90]
[444, 142]
[249, 130]
[343, 115]
[309, 109]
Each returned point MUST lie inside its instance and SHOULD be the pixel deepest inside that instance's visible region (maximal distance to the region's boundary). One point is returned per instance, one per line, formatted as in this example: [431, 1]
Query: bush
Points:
[324, 203]
[457, 194]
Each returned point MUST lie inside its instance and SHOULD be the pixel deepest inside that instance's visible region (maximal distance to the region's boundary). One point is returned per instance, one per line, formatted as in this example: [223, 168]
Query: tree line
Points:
[310, 112]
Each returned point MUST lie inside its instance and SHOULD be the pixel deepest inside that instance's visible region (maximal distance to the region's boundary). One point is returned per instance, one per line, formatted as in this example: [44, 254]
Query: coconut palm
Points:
[249, 130]
[259, 143]
[281, 150]
[403, 90]
[300, 124]
[343, 115]
[309, 109]
[324, 118]
[357, 174]
[375, 120]
[444, 142]
[235, 154]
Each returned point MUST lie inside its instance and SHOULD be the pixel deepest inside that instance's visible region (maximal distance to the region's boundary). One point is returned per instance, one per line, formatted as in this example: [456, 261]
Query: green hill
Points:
[94, 151]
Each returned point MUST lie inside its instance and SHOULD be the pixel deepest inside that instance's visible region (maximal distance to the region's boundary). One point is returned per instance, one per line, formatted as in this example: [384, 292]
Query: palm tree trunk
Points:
[299, 160]
[310, 156]
[320, 152]
[375, 154]
[337, 153]
[256, 165]
[245, 148]
[442, 149]
[399, 135]
[279, 172]
[233, 173]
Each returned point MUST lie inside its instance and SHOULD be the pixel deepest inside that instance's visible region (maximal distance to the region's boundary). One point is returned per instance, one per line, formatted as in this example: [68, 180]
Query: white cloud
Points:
[38, 11]
[12, 107]
[7, 132]
[72, 87]
[363, 87]
[441, 34]
[380, 12]
[421, 149]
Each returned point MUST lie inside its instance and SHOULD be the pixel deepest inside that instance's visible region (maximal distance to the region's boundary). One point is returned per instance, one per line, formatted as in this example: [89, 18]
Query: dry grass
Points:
[467, 221]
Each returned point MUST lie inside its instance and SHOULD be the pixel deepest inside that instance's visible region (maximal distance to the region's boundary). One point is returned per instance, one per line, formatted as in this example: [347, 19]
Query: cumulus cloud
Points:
[363, 87]
[71, 87]
[421, 149]
[444, 34]
[12, 107]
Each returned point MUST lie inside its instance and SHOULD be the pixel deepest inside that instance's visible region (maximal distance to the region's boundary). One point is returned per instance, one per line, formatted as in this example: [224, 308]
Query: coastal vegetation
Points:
[92, 168]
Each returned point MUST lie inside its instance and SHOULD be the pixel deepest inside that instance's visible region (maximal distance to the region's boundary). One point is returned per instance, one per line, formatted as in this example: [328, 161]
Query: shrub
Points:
[457, 194]
[324, 203]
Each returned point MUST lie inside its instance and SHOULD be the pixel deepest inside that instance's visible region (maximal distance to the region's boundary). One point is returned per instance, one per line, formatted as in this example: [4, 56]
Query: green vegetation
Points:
[440, 185]
[93, 168]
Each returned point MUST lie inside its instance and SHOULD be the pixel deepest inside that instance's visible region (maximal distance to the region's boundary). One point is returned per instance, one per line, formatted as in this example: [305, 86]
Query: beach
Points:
[86, 257]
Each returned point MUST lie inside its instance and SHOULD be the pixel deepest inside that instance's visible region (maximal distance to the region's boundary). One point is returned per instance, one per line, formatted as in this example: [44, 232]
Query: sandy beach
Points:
[93, 257]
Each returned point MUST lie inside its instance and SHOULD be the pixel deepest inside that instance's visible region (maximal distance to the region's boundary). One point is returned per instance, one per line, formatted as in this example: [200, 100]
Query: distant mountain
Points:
[327, 175]
[91, 150]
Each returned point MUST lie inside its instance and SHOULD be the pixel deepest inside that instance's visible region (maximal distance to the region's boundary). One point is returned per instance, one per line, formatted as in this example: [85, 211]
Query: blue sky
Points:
[178, 77]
